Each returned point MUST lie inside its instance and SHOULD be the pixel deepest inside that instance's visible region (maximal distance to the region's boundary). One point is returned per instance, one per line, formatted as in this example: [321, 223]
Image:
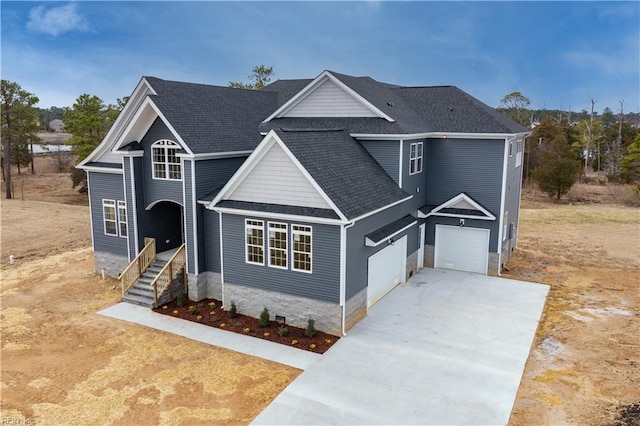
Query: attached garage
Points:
[461, 248]
[386, 269]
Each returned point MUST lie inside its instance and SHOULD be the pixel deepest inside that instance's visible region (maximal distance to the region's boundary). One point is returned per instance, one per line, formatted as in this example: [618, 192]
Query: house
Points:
[311, 197]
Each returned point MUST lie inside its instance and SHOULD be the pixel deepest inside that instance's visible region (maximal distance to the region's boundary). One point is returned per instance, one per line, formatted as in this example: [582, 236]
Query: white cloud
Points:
[56, 20]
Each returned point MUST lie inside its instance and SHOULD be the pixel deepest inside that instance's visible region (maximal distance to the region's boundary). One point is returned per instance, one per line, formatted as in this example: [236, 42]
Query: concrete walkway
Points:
[447, 347]
[282, 354]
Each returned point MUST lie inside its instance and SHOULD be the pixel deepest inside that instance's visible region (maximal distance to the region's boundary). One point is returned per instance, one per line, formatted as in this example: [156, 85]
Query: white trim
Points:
[400, 169]
[421, 237]
[143, 88]
[460, 197]
[502, 200]
[280, 216]
[183, 218]
[196, 262]
[370, 243]
[248, 226]
[214, 155]
[444, 135]
[163, 200]
[372, 212]
[124, 186]
[313, 85]
[221, 254]
[310, 253]
[101, 170]
[343, 273]
[137, 153]
[134, 208]
[286, 240]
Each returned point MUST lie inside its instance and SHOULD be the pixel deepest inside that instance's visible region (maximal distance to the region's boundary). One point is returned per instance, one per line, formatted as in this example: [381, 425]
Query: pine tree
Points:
[559, 168]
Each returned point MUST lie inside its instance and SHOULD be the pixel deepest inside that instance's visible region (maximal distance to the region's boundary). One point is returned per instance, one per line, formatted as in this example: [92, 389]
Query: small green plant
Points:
[233, 310]
[310, 331]
[200, 305]
[214, 319]
[265, 320]
[237, 324]
[283, 331]
[182, 298]
[193, 309]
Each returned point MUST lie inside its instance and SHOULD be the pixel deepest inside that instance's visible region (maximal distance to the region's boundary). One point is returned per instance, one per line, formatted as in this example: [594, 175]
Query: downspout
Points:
[343, 273]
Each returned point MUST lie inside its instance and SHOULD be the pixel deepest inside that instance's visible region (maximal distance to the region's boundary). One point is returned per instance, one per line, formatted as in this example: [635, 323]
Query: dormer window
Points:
[415, 158]
[164, 161]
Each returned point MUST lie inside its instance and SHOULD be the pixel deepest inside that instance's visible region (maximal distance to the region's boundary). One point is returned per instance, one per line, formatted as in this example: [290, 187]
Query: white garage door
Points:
[386, 270]
[462, 249]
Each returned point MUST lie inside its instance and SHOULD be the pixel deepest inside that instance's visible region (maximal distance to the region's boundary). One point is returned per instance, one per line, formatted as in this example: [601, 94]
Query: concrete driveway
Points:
[446, 347]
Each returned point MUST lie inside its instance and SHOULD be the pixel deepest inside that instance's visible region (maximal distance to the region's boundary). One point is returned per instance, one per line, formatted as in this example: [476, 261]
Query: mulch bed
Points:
[209, 312]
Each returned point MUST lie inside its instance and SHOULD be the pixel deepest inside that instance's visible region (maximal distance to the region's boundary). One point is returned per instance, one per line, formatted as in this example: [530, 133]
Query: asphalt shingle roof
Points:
[344, 170]
[278, 208]
[384, 232]
[213, 118]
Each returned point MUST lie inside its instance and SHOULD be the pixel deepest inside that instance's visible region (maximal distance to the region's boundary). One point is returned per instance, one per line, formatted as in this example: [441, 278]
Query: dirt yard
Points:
[64, 364]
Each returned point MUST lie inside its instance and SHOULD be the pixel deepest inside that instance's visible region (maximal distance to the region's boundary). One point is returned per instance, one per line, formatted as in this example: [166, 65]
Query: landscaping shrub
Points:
[233, 310]
[283, 331]
[310, 331]
[265, 320]
[181, 299]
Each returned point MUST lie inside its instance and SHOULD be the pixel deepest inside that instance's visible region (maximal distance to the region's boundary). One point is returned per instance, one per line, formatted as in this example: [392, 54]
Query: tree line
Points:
[566, 145]
[562, 147]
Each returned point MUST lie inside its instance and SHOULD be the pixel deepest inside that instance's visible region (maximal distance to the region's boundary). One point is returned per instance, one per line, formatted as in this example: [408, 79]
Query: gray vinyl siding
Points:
[358, 254]
[210, 175]
[211, 236]
[470, 166]
[105, 186]
[322, 284]
[158, 189]
[387, 154]
[189, 217]
[512, 196]
[414, 184]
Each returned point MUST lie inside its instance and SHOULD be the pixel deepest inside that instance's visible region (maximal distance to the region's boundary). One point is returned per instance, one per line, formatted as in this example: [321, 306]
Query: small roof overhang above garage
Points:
[461, 206]
[389, 231]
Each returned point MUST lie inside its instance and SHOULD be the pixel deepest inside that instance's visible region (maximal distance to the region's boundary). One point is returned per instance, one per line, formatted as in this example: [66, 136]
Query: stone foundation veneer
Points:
[206, 285]
[297, 310]
[113, 265]
[494, 264]
[356, 309]
[412, 265]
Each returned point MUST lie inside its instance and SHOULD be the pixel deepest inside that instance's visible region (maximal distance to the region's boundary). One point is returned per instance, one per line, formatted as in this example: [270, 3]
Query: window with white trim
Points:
[109, 216]
[510, 148]
[519, 150]
[164, 160]
[122, 218]
[277, 245]
[254, 230]
[301, 248]
[415, 158]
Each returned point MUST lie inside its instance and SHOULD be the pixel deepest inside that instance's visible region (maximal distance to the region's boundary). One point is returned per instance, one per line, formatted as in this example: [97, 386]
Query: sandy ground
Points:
[64, 364]
[584, 367]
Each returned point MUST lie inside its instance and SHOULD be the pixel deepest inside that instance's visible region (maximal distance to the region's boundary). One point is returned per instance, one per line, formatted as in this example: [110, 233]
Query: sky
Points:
[558, 54]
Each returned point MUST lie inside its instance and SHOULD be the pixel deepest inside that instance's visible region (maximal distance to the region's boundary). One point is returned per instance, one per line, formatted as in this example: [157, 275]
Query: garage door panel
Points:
[461, 248]
[386, 269]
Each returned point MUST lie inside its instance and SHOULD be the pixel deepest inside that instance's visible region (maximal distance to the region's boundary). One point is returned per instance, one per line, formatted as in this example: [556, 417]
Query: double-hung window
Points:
[254, 230]
[164, 160]
[122, 218]
[278, 245]
[415, 158]
[110, 218]
[301, 248]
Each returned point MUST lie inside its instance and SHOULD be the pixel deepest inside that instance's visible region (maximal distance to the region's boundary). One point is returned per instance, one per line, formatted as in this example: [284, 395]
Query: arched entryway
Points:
[165, 224]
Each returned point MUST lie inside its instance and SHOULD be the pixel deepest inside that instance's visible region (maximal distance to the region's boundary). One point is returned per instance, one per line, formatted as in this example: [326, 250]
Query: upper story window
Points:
[164, 161]
[415, 158]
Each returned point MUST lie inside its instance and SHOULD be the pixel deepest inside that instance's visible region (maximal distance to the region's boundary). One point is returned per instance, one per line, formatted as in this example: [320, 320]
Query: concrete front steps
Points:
[141, 293]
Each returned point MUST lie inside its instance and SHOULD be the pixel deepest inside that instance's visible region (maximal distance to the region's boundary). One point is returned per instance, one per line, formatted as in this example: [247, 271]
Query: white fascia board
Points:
[309, 88]
[460, 216]
[370, 243]
[130, 108]
[130, 153]
[214, 155]
[144, 108]
[101, 169]
[150, 206]
[454, 200]
[372, 212]
[281, 216]
[443, 135]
